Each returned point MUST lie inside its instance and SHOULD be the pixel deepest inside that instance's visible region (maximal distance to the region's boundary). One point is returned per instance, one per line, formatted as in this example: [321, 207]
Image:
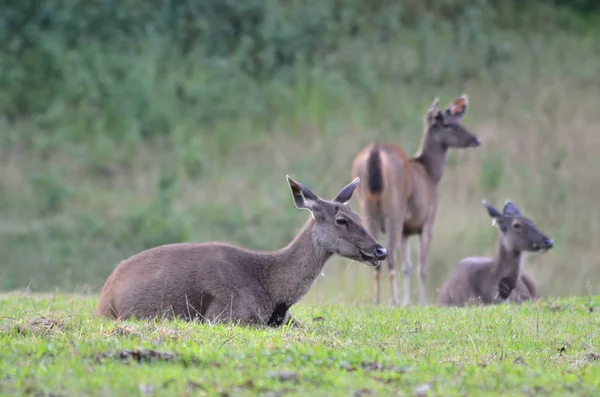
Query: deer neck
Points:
[291, 271]
[507, 262]
[432, 156]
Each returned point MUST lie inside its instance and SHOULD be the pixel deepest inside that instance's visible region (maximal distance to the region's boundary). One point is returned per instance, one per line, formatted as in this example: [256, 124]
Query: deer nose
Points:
[380, 253]
[475, 142]
[548, 243]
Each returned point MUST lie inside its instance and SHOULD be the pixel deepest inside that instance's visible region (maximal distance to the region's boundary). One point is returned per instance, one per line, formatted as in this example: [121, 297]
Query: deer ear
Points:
[345, 194]
[511, 209]
[433, 111]
[303, 197]
[492, 212]
[458, 108]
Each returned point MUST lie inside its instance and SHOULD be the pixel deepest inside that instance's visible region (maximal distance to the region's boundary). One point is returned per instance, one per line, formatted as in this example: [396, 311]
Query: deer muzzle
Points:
[378, 255]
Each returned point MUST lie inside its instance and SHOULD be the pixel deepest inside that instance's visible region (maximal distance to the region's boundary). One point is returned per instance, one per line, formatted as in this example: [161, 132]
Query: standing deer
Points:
[481, 280]
[401, 194]
[221, 282]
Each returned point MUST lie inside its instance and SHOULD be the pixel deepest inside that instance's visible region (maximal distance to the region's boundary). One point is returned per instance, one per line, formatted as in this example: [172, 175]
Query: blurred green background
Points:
[128, 124]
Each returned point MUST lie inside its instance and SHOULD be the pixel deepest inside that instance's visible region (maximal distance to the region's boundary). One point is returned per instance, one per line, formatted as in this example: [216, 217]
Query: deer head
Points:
[518, 232]
[445, 127]
[337, 228]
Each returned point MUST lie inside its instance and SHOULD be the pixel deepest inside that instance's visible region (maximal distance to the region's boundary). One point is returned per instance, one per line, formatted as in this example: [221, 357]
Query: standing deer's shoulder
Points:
[400, 197]
[481, 280]
[221, 282]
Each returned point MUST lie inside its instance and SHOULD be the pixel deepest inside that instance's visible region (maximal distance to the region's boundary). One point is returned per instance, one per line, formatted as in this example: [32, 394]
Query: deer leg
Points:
[391, 258]
[425, 241]
[376, 284]
[291, 321]
[377, 279]
[373, 229]
[373, 226]
[405, 248]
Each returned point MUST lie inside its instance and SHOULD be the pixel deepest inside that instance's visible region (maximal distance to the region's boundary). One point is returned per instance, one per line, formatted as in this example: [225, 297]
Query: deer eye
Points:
[517, 226]
[341, 222]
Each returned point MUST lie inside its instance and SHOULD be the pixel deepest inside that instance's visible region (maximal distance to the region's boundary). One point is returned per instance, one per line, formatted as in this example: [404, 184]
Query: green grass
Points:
[52, 345]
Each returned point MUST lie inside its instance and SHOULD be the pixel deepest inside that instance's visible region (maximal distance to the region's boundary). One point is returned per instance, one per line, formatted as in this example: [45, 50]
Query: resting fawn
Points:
[480, 280]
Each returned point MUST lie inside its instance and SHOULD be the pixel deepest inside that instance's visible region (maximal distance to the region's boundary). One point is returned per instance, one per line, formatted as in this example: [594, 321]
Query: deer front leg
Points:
[405, 248]
[373, 225]
[291, 321]
[376, 284]
[425, 241]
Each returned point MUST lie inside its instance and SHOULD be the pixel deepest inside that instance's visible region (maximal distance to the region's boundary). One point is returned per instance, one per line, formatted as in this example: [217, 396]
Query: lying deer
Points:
[401, 194]
[480, 280]
[221, 282]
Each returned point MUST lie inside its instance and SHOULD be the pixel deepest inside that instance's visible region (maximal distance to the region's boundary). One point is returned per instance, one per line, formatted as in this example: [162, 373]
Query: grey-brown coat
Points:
[481, 280]
[400, 196]
[221, 282]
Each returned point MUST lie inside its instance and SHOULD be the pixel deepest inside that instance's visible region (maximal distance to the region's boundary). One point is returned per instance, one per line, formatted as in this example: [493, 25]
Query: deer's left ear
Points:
[347, 191]
[433, 111]
[458, 108]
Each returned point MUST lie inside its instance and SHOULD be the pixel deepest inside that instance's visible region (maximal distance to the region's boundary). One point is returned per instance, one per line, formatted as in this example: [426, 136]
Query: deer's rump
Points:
[178, 280]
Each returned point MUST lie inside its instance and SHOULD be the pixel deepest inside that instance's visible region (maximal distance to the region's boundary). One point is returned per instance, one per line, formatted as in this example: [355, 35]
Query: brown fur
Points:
[481, 280]
[526, 289]
[221, 282]
[407, 203]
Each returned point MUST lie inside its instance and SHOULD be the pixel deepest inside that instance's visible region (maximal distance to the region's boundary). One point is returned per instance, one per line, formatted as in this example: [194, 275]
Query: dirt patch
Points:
[145, 356]
[163, 333]
[39, 326]
[592, 357]
[123, 330]
[194, 386]
[38, 393]
[283, 376]
[373, 366]
[362, 392]
[519, 361]
[556, 307]
[422, 391]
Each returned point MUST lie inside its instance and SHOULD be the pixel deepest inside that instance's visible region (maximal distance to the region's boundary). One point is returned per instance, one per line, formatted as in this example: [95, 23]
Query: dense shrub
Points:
[47, 43]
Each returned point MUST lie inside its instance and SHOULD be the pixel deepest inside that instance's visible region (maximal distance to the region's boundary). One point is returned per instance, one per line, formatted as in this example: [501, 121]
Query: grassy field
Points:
[50, 345]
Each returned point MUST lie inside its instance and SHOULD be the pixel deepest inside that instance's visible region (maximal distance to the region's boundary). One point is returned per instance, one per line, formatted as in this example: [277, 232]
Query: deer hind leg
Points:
[405, 248]
[391, 258]
[425, 242]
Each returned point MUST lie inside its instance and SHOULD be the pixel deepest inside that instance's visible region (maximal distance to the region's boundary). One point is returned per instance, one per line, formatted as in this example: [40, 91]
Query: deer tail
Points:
[374, 172]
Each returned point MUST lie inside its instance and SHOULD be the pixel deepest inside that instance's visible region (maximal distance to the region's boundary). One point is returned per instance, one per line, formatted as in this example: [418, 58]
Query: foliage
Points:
[73, 50]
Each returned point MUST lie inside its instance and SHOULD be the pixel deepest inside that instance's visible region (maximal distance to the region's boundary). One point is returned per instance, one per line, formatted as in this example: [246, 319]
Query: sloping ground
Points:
[51, 345]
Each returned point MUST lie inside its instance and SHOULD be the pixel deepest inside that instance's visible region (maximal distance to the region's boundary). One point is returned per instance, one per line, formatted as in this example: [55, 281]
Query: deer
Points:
[219, 282]
[401, 193]
[484, 281]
